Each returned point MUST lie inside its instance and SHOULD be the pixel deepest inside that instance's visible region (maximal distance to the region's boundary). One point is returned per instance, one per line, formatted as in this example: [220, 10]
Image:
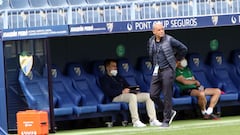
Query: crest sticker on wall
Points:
[125, 66]
[148, 65]
[77, 71]
[26, 62]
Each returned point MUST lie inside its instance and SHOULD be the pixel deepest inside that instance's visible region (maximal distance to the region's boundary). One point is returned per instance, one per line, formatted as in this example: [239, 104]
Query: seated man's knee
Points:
[217, 91]
[132, 96]
[201, 95]
[146, 95]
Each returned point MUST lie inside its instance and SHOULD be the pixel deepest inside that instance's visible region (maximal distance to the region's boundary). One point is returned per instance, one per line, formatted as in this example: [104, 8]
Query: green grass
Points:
[225, 126]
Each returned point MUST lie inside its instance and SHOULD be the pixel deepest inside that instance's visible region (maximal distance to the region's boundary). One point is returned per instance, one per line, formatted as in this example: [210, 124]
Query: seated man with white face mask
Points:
[190, 86]
[117, 89]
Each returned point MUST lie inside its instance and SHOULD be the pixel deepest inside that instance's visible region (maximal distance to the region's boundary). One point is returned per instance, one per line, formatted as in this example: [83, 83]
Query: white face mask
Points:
[184, 63]
[114, 72]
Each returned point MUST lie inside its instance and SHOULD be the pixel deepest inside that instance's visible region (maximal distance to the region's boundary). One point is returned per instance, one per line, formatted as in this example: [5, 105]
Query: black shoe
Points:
[173, 114]
[214, 117]
[210, 117]
[164, 125]
[206, 116]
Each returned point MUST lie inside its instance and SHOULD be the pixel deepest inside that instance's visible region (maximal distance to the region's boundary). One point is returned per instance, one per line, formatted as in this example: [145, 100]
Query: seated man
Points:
[190, 86]
[116, 88]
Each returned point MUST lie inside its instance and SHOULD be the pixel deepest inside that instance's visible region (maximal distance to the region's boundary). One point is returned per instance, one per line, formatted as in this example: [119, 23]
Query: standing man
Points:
[163, 50]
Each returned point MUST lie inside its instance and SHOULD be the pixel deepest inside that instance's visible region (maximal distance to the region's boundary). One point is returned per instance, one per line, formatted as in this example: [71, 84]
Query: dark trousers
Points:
[163, 83]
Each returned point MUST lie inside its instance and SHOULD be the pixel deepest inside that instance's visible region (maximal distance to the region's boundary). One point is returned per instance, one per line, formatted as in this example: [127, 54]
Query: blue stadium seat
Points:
[67, 95]
[221, 71]
[235, 61]
[145, 67]
[19, 4]
[201, 72]
[38, 3]
[4, 5]
[77, 2]
[181, 102]
[132, 76]
[114, 1]
[98, 68]
[55, 3]
[36, 94]
[86, 83]
[95, 1]
[132, 0]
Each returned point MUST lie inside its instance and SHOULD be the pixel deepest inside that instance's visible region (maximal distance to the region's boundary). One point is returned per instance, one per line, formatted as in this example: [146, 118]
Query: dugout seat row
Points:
[141, 77]
[216, 74]
[76, 96]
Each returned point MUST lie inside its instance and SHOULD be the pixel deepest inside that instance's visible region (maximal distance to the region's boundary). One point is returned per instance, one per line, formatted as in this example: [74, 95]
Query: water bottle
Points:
[201, 88]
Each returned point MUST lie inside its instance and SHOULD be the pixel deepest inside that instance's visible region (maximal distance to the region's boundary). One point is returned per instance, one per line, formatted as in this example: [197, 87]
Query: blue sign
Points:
[146, 25]
[35, 32]
[121, 27]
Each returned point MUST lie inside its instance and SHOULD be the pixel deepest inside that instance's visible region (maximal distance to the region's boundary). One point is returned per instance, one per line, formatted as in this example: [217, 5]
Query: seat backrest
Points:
[19, 4]
[114, 1]
[5, 5]
[86, 83]
[146, 68]
[95, 1]
[57, 3]
[221, 71]
[199, 69]
[98, 68]
[126, 70]
[77, 2]
[32, 87]
[63, 88]
[38, 3]
[235, 59]
[132, 76]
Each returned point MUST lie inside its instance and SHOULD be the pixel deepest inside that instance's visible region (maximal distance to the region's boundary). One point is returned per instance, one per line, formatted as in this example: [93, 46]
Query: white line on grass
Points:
[130, 130]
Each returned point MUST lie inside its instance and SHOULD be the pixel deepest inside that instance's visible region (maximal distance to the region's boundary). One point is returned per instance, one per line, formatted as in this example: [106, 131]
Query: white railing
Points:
[122, 10]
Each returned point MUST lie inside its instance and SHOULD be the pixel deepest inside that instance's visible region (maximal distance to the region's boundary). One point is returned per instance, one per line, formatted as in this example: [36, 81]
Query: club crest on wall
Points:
[26, 62]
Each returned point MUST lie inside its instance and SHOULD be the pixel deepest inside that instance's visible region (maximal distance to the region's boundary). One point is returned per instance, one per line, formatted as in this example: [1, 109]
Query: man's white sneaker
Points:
[155, 123]
[139, 124]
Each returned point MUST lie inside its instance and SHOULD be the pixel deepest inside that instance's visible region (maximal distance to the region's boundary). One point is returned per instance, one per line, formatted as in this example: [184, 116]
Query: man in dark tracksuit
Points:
[163, 50]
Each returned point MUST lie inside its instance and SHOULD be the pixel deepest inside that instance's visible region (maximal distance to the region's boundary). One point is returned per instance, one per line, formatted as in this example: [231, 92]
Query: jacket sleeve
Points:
[150, 49]
[180, 49]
